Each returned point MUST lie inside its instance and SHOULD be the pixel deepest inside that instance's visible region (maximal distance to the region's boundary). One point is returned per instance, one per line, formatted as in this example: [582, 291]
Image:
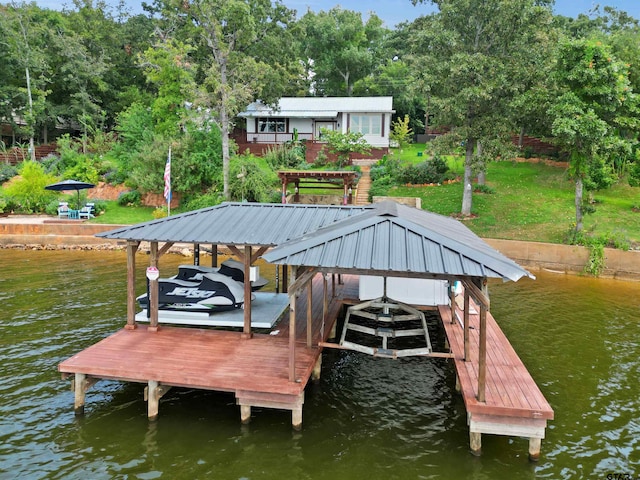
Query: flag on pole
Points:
[167, 182]
[167, 178]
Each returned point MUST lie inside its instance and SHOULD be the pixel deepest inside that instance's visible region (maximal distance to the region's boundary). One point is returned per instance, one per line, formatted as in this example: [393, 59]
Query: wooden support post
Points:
[333, 285]
[196, 254]
[309, 313]
[292, 332]
[296, 417]
[482, 354]
[465, 315]
[214, 254]
[458, 385]
[285, 281]
[132, 248]
[325, 309]
[475, 441]
[152, 303]
[452, 301]
[79, 393]
[284, 190]
[153, 400]
[246, 329]
[535, 444]
[315, 373]
[245, 414]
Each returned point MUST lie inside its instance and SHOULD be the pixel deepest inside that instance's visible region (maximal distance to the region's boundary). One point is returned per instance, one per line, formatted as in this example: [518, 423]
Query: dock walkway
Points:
[514, 405]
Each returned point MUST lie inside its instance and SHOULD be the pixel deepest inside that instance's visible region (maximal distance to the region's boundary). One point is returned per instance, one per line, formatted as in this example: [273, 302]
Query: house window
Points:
[272, 125]
[366, 124]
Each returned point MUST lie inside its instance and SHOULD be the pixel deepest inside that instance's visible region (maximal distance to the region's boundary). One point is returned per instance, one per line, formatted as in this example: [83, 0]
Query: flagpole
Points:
[167, 182]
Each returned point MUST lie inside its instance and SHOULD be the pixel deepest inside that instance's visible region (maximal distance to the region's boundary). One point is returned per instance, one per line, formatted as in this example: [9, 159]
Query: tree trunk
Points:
[467, 194]
[521, 137]
[224, 127]
[32, 146]
[482, 172]
[578, 202]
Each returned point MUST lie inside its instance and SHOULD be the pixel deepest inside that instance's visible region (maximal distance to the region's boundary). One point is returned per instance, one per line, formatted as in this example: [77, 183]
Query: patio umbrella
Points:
[70, 185]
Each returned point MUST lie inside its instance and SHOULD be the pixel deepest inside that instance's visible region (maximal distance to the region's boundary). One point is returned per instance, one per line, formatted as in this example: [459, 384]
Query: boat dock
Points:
[256, 369]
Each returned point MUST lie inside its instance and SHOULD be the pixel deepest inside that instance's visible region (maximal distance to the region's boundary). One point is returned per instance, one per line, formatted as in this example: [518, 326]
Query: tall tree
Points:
[473, 54]
[596, 117]
[234, 70]
[341, 48]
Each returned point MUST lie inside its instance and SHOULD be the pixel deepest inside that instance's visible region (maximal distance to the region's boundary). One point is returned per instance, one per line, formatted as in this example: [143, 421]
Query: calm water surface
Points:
[366, 419]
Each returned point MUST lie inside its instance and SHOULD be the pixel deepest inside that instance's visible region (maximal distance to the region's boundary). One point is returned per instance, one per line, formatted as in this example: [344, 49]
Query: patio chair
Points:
[85, 212]
[63, 210]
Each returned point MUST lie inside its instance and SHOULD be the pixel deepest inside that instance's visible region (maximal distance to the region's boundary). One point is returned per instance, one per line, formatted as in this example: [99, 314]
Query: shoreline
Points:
[48, 233]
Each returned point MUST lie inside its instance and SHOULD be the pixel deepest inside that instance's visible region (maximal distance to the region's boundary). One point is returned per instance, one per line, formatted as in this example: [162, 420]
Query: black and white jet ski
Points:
[212, 291]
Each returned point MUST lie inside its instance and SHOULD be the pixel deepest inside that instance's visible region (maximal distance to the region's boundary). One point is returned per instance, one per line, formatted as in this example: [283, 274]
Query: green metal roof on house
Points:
[384, 238]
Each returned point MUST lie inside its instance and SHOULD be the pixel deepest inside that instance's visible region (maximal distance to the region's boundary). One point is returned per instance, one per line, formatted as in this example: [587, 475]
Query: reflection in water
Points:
[366, 418]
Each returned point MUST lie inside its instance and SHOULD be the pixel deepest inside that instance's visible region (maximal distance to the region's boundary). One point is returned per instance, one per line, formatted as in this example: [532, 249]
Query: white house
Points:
[307, 116]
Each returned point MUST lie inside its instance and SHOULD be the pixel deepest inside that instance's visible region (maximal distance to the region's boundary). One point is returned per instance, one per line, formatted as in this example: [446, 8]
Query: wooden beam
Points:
[258, 254]
[246, 329]
[132, 248]
[165, 248]
[239, 255]
[305, 277]
[477, 294]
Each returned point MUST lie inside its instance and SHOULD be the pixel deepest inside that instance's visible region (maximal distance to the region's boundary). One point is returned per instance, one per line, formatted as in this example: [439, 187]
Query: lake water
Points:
[366, 419]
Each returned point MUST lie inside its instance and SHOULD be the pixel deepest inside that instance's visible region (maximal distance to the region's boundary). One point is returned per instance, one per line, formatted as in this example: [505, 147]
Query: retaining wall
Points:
[568, 259]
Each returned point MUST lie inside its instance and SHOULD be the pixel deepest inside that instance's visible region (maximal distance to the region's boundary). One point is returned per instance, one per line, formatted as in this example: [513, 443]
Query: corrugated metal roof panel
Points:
[394, 238]
[237, 224]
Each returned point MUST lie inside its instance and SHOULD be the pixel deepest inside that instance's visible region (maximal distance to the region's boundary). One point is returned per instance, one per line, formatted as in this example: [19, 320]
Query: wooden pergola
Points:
[329, 179]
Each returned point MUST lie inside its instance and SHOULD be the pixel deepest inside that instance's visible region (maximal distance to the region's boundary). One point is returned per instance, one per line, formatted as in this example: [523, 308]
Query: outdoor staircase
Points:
[364, 184]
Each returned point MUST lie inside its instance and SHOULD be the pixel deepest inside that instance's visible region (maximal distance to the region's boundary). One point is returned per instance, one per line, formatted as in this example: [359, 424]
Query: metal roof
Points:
[318, 107]
[257, 224]
[384, 238]
[396, 239]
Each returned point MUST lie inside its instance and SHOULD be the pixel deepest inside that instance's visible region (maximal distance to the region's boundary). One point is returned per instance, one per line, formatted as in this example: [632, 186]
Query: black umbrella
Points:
[70, 185]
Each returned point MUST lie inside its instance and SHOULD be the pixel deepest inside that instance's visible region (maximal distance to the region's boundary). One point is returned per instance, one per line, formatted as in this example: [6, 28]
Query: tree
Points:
[232, 60]
[340, 49]
[401, 132]
[344, 144]
[596, 114]
[473, 52]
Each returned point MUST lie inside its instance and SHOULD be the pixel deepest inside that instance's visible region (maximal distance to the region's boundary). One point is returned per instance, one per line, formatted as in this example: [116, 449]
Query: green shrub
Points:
[429, 171]
[486, 189]
[28, 192]
[250, 182]
[208, 199]
[7, 172]
[130, 198]
[381, 186]
[527, 152]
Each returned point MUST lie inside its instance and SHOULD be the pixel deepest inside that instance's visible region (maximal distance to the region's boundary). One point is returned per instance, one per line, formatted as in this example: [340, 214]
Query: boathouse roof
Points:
[383, 238]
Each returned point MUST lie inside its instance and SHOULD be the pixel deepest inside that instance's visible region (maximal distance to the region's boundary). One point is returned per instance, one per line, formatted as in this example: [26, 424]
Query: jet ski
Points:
[230, 268]
[213, 291]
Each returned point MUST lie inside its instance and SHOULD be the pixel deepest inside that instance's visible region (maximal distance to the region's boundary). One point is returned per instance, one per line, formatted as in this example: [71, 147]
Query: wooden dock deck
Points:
[255, 369]
[514, 405]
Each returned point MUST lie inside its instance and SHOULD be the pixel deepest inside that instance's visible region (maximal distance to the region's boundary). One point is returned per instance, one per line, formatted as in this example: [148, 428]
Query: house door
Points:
[319, 126]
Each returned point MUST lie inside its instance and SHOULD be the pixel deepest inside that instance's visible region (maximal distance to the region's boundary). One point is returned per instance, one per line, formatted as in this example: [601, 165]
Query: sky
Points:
[393, 12]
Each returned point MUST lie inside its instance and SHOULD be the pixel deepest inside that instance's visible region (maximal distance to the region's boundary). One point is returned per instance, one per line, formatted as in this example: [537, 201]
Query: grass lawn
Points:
[115, 214]
[533, 202]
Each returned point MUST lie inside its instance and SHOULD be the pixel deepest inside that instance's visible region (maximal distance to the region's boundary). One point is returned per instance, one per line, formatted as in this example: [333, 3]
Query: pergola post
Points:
[132, 248]
[284, 189]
